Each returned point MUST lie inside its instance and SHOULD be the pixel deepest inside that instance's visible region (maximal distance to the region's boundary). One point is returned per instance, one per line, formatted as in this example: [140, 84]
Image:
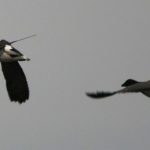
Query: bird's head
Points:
[3, 43]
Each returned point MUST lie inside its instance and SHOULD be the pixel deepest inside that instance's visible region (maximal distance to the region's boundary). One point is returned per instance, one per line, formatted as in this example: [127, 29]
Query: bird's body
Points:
[130, 86]
[9, 54]
[16, 82]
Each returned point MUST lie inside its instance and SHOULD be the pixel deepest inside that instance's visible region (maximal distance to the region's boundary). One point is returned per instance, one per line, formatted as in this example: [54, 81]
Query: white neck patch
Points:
[8, 48]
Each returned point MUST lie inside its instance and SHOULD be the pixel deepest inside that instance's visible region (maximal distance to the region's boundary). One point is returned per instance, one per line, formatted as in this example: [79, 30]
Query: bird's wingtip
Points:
[98, 95]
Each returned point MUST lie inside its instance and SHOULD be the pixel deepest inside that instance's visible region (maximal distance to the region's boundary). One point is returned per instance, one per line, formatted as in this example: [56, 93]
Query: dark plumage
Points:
[130, 87]
[16, 82]
[100, 94]
[129, 82]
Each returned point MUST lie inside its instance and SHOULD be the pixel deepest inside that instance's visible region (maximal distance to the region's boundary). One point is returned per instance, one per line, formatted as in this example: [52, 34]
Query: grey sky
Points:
[82, 45]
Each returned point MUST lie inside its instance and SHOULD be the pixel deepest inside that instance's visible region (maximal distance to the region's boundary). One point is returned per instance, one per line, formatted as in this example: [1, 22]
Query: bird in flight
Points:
[16, 82]
[130, 86]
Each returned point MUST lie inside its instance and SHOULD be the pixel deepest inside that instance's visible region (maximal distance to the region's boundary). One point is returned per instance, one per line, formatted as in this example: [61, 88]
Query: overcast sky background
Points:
[81, 45]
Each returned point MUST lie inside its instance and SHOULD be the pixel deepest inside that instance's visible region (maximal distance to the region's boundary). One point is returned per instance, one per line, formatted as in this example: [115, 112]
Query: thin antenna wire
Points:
[23, 38]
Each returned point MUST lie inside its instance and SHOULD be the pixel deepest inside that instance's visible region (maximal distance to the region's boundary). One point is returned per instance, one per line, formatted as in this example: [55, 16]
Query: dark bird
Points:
[130, 86]
[16, 82]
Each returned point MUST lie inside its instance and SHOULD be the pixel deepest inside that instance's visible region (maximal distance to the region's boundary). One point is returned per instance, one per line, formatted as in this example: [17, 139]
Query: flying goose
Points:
[16, 82]
[130, 86]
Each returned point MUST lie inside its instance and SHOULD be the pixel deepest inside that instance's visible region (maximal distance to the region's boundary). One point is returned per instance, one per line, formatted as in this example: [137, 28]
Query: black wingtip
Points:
[19, 96]
[98, 95]
[20, 101]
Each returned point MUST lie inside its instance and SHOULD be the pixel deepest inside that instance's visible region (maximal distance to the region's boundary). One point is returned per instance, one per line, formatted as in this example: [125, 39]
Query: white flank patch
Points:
[8, 48]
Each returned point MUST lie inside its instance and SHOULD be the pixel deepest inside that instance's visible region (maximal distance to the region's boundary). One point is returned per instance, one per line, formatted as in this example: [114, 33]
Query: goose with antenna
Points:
[130, 86]
[16, 82]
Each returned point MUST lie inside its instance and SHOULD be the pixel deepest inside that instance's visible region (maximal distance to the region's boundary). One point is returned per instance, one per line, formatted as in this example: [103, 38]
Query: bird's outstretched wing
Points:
[16, 82]
[98, 95]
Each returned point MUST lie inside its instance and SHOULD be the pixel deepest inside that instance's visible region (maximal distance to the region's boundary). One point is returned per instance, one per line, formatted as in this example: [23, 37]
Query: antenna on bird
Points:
[23, 39]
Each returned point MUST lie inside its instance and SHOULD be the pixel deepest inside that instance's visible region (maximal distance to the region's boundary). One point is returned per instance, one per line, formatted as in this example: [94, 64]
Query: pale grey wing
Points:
[16, 82]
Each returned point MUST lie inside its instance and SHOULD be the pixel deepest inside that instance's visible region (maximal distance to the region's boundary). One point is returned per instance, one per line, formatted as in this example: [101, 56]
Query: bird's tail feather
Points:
[98, 95]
